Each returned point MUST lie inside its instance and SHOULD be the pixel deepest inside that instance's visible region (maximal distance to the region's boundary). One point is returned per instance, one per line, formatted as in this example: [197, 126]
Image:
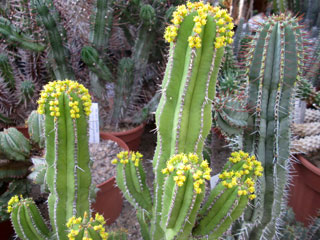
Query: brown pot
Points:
[23, 130]
[6, 229]
[305, 191]
[131, 137]
[109, 197]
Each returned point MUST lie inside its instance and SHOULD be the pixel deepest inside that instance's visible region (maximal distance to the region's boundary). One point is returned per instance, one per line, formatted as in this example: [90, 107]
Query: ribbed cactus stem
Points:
[66, 105]
[59, 52]
[16, 37]
[230, 197]
[280, 5]
[131, 179]
[6, 72]
[36, 128]
[27, 220]
[14, 145]
[198, 35]
[274, 64]
[306, 145]
[312, 115]
[306, 129]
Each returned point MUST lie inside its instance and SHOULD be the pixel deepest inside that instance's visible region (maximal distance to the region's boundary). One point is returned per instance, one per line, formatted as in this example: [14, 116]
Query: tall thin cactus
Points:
[66, 106]
[274, 64]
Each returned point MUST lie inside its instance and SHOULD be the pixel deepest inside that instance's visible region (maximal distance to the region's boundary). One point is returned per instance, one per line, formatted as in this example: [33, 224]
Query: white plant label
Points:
[299, 111]
[214, 180]
[94, 134]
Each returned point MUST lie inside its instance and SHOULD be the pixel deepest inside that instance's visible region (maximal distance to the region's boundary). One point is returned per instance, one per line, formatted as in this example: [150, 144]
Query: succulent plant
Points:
[66, 105]
[312, 115]
[274, 65]
[197, 38]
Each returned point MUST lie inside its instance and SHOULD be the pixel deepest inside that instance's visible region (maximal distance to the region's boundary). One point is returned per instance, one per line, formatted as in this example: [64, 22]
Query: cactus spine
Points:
[66, 106]
[274, 64]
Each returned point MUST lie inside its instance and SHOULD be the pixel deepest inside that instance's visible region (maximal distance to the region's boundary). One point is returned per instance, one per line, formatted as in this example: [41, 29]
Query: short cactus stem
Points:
[230, 197]
[26, 219]
[184, 186]
[131, 179]
[87, 228]
[197, 37]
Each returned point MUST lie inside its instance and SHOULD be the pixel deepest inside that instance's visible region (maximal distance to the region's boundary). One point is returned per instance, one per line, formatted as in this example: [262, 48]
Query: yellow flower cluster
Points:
[53, 90]
[224, 24]
[15, 199]
[181, 165]
[123, 158]
[75, 225]
[242, 177]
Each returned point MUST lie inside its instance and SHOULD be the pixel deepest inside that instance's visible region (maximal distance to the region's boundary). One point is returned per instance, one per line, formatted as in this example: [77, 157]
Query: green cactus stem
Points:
[66, 105]
[274, 65]
[86, 227]
[131, 179]
[59, 52]
[27, 220]
[16, 37]
[36, 128]
[6, 72]
[280, 5]
[198, 36]
[14, 145]
[183, 193]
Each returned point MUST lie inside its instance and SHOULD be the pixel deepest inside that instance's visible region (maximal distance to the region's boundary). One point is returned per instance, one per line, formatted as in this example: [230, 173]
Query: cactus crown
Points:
[87, 226]
[181, 165]
[242, 176]
[53, 90]
[201, 12]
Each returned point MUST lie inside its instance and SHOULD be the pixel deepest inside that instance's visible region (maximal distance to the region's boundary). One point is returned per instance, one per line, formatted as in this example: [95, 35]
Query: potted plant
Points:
[66, 105]
[15, 154]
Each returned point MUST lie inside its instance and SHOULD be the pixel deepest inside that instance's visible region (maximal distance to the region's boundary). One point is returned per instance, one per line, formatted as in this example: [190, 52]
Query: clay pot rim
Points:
[127, 132]
[309, 165]
[121, 143]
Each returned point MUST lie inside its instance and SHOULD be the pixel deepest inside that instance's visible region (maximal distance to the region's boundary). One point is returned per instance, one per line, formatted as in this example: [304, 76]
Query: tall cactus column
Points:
[274, 64]
[197, 38]
[66, 105]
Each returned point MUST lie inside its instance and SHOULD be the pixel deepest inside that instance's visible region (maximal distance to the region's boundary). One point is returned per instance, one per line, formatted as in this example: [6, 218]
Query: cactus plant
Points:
[66, 105]
[274, 63]
[312, 115]
[36, 128]
[198, 35]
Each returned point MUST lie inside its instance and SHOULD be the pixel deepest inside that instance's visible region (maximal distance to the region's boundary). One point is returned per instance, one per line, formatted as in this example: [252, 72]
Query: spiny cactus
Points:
[66, 105]
[198, 35]
[280, 5]
[183, 193]
[306, 129]
[14, 145]
[306, 145]
[273, 64]
[312, 115]
[36, 128]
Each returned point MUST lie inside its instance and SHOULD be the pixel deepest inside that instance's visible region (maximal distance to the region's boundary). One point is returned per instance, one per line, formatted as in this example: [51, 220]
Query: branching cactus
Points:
[183, 192]
[274, 65]
[198, 36]
[66, 106]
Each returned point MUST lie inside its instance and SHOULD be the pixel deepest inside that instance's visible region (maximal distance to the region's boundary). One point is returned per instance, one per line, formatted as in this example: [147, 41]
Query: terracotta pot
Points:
[109, 197]
[23, 130]
[6, 229]
[131, 137]
[305, 191]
